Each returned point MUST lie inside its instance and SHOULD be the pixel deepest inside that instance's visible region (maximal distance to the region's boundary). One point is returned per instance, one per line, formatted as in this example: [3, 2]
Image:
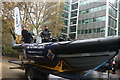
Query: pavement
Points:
[0, 68]
[10, 73]
[104, 75]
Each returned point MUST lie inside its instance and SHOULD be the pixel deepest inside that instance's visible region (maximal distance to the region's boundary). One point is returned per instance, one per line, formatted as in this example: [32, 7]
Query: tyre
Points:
[29, 74]
[32, 74]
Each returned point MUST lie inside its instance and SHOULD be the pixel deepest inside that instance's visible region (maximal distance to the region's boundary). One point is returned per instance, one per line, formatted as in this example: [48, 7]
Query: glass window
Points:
[112, 11]
[99, 8]
[83, 21]
[74, 13]
[118, 33]
[92, 1]
[94, 30]
[119, 16]
[66, 22]
[111, 32]
[82, 12]
[72, 28]
[80, 31]
[72, 36]
[64, 30]
[66, 7]
[95, 9]
[95, 0]
[112, 22]
[98, 30]
[64, 36]
[86, 31]
[89, 1]
[90, 20]
[98, 19]
[85, 2]
[103, 18]
[92, 10]
[94, 19]
[103, 7]
[113, 2]
[74, 6]
[81, 3]
[73, 21]
[79, 22]
[119, 26]
[119, 4]
[65, 15]
[102, 29]
[67, 1]
[90, 31]
[87, 11]
[87, 21]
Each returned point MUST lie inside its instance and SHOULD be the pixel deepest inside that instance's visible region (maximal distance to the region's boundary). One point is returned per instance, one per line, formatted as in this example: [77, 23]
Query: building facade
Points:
[86, 19]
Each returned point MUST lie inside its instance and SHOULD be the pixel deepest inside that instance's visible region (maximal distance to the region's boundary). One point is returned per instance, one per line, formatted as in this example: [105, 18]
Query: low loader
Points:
[67, 59]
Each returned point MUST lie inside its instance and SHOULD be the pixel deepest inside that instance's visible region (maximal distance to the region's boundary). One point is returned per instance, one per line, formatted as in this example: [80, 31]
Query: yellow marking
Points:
[50, 52]
[18, 39]
[58, 67]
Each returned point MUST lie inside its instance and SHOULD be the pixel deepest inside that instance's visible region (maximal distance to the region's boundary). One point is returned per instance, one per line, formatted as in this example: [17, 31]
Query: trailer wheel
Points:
[42, 76]
[32, 74]
[29, 74]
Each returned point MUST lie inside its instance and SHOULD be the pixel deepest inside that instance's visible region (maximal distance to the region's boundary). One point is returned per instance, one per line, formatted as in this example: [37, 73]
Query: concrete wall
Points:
[91, 35]
[91, 25]
[92, 15]
[91, 5]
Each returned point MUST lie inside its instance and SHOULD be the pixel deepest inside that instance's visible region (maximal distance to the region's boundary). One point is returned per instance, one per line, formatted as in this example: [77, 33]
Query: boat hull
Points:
[88, 61]
[76, 56]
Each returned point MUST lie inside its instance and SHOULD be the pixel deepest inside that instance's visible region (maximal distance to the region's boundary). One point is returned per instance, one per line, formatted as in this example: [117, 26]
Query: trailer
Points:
[67, 59]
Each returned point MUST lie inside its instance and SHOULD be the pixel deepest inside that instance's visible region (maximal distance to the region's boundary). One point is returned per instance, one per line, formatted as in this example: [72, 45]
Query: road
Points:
[8, 73]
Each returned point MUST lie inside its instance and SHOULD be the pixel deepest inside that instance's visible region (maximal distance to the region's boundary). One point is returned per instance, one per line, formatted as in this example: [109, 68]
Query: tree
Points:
[7, 23]
[54, 19]
[37, 15]
[34, 15]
